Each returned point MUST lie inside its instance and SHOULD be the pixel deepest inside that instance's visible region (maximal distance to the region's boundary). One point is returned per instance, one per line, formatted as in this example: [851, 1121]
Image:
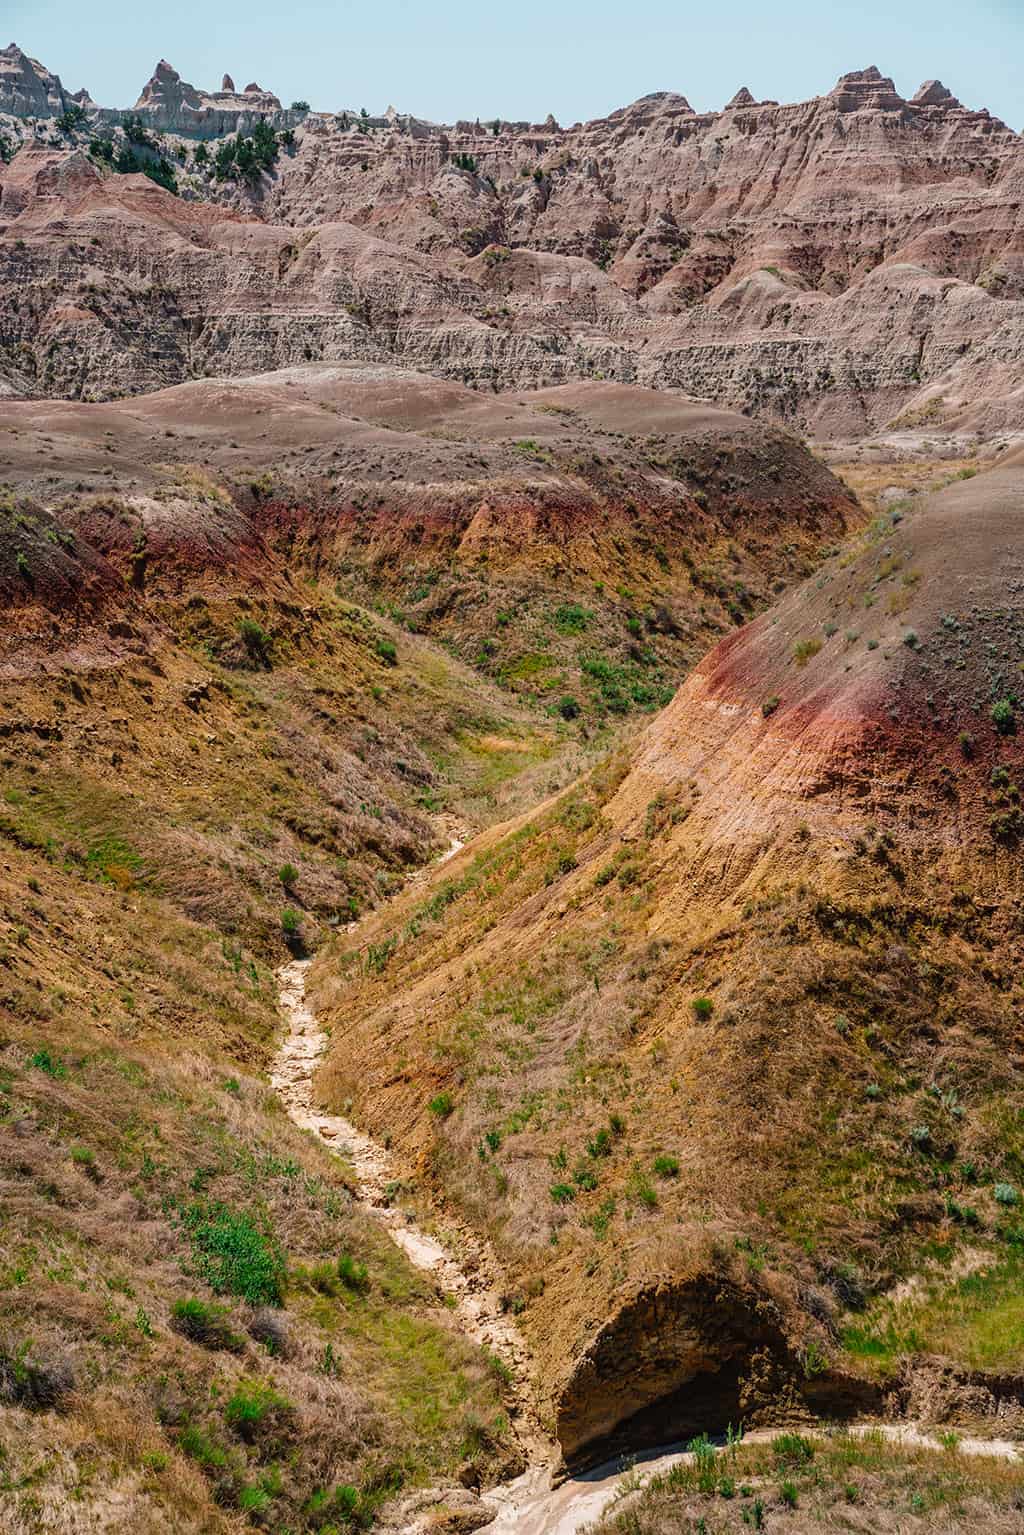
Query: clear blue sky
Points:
[575, 58]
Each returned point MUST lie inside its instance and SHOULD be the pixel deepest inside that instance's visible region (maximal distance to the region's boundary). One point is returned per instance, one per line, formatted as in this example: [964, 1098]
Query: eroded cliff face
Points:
[846, 263]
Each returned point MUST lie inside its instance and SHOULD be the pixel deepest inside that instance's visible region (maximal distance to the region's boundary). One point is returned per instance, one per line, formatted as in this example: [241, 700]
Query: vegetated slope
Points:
[722, 1046]
[579, 546]
[804, 1484]
[842, 262]
[210, 758]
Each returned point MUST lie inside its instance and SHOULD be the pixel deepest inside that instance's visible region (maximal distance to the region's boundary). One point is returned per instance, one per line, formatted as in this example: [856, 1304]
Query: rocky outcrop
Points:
[866, 90]
[169, 104]
[842, 263]
[27, 88]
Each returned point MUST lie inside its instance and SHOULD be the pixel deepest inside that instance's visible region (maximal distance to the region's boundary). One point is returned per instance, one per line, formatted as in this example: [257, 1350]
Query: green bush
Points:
[387, 652]
[792, 1449]
[246, 155]
[74, 117]
[234, 1254]
[703, 1007]
[44, 1061]
[1003, 717]
[1005, 1194]
[353, 1275]
[205, 1324]
[666, 1166]
[252, 1406]
[287, 874]
[562, 1193]
[571, 617]
[568, 708]
[257, 641]
[441, 1106]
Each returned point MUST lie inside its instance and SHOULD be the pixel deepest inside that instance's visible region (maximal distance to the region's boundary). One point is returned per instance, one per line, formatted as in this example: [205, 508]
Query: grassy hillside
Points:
[720, 1046]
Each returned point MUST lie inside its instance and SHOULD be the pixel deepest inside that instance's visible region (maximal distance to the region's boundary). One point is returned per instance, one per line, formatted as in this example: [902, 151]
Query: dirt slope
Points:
[722, 1047]
[578, 546]
[221, 739]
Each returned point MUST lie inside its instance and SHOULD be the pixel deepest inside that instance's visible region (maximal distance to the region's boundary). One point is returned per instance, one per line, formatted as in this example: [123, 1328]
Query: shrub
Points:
[291, 927]
[568, 708]
[44, 1061]
[205, 1324]
[1003, 717]
[85, 1159]
[253, 1406]
[562, 1193]
[24, 568]
[666, 1166]
[1005, 1194]
[160, 171]
[703, 1007]
[601, 1145]
[36, 1384]
[571, 617]
[353, 1275]
[646, 1195]
[74, 117]
[441, 1106]
[770, 705]
[792, 1449]
[234, 1255]
[257, 641]
[288, 874]
[966, 743]
[387, 652]
[788, 1494]
[803, 650]
[246, 155]
[300, 106]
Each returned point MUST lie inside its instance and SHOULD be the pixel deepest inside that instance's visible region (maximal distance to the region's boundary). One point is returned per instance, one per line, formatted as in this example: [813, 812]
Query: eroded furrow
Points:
[464, 1269]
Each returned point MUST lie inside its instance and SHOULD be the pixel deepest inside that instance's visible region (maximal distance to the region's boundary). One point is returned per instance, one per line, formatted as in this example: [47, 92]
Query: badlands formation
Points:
[841, 263]
[510, 862]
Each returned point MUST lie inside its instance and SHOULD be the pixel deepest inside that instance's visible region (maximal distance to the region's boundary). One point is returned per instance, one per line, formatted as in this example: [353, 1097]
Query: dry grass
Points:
[547, 984]
[801, 1485]
[107, 1150]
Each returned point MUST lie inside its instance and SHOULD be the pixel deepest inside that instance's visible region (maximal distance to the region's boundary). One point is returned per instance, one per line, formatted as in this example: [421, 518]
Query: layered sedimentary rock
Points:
[846, 262]
[169, 104]
[27, 88]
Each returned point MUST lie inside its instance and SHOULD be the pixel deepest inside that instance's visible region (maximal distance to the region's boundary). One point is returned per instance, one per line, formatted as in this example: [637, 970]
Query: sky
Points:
[576, 58]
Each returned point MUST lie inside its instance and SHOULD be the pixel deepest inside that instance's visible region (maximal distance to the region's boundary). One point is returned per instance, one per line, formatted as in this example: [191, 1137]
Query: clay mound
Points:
[888, 658]
[458, 505]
